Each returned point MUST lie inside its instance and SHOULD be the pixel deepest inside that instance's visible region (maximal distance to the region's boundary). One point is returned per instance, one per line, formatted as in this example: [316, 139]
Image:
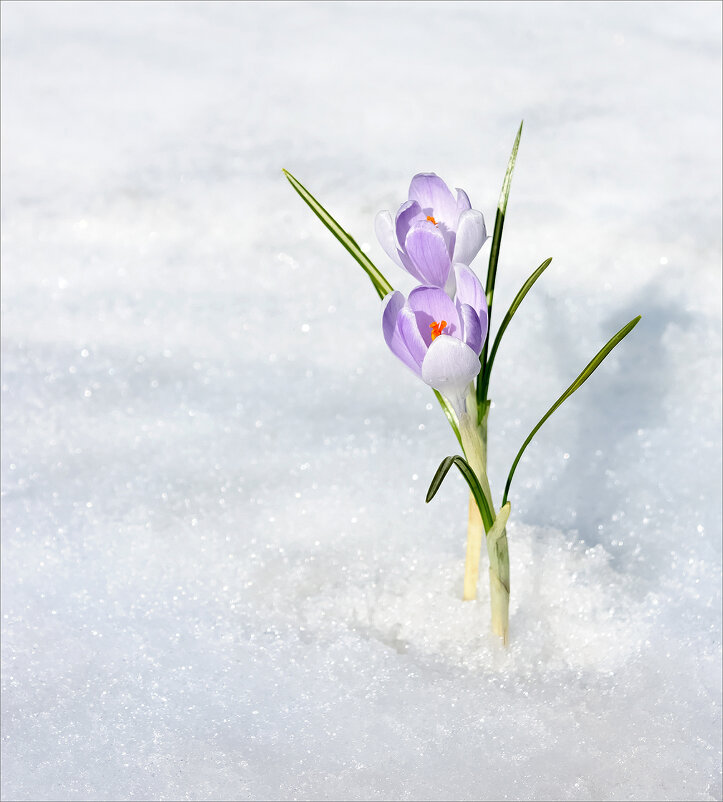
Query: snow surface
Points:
[220, 579]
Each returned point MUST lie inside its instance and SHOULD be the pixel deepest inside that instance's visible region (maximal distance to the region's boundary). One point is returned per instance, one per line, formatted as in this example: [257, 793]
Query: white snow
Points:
[220, 579]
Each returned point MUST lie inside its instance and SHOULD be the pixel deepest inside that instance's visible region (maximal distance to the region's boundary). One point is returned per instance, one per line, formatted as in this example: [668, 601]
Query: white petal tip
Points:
[450, 365]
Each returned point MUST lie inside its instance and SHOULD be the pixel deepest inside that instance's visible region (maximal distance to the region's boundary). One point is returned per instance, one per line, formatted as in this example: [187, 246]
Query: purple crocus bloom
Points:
[440, 340]
[432, 230]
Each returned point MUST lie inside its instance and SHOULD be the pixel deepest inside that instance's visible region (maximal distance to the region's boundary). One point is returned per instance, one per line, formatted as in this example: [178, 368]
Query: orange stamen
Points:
[431, 219]
[437, 328]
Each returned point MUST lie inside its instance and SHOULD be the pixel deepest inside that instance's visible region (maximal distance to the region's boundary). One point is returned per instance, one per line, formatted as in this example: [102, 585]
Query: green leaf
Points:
[495, 253]
[510, 312]
[472, 481]
[579, 381]
[382, 286]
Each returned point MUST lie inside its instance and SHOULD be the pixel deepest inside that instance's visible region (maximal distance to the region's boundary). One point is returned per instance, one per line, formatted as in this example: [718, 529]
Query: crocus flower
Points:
[440, 340]
[432, 230]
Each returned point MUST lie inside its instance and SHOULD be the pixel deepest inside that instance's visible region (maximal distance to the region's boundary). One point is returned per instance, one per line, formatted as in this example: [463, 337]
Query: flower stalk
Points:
[475, 531]
[474, 445]
[473, 434]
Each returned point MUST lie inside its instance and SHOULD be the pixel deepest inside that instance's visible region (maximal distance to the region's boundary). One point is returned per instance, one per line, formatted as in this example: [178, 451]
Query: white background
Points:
[220, 579]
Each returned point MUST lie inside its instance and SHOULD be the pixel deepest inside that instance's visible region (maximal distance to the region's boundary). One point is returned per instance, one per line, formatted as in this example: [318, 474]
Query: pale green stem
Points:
[474, 443]
[475, 530]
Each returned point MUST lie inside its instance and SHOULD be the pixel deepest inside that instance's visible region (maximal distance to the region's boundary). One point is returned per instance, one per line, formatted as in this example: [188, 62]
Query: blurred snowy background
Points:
[220, 579]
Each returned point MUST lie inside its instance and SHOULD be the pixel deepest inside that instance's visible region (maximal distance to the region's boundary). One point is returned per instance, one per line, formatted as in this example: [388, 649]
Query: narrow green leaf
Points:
[495, 253]
[382, 286]
[472, 481]
[579, 381]
[451, 417]
[436, 482]
[510, 312]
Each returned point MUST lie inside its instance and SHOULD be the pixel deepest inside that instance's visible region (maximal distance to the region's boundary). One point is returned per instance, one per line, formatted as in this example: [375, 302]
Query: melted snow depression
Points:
[220, 578]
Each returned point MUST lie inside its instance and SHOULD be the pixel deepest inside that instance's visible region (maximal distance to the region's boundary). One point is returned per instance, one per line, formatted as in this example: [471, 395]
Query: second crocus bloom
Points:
[431, 231]
[439, 339]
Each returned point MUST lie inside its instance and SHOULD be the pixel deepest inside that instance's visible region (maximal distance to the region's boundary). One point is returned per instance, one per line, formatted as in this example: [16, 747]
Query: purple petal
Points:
[408, 328]
[462, 202]
[408, 265]
[435, 199]
[391, 305]
[451, 286]
[471, 328]
[409, 212]
[426, 247]
[469, 290]
[432, 305]
[391, 308]
[384, 229]
[471, 235]
[484, 323]
[450, 365]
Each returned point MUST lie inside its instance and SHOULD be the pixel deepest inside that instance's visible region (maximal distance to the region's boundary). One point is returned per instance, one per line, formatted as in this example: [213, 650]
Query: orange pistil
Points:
[431, 219]
[437, 328]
